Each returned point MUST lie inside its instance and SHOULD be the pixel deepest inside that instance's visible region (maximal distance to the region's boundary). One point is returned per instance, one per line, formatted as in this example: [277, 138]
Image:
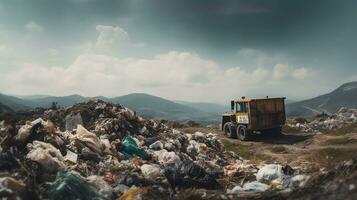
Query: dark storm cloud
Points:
[307, 30]
[309, 33]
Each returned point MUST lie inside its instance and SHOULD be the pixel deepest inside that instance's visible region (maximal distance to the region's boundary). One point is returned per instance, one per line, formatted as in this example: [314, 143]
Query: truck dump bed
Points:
[267, 113]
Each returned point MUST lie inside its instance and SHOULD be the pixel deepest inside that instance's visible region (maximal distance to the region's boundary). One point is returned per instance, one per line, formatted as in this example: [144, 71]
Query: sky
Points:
[192, 50]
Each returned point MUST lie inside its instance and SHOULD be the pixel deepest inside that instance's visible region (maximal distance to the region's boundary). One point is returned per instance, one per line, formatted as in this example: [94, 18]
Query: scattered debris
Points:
[102, 150]
[341, 118]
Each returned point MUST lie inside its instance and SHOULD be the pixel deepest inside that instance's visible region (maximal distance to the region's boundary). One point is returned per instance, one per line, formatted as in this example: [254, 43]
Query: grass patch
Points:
[245, 151]
[340, 141]
[279, 149]
[350, 128]
[329, 157]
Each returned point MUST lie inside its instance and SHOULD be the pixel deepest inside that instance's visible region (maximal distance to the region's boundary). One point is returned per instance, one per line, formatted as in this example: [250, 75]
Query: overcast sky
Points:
[189, 50]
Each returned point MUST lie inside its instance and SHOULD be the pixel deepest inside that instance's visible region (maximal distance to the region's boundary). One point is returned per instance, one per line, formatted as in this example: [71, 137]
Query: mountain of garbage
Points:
[343, 117]
[100, 150]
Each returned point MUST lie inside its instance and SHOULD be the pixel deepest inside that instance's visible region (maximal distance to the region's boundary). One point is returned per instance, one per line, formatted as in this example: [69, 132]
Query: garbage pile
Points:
[337, 183]
[341, 118]
[100, 150]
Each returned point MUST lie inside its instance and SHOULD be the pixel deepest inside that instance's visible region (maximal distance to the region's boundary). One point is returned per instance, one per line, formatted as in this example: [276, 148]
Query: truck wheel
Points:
[230, 130]
[243, 133]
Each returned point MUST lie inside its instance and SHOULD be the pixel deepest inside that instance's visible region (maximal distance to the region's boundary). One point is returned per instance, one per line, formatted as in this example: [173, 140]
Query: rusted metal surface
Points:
[258, 114]
[267, 113]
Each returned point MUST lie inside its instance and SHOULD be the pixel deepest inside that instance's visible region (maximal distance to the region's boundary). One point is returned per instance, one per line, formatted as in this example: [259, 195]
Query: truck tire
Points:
[230, 130]
[243, 133]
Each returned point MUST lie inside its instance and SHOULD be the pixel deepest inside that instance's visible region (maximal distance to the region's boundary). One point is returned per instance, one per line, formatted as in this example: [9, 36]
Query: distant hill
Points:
[64, 101]
[343, 96]
[4, 108]
[146, 105]
[157, 107]
[211, 108]
[14, 103]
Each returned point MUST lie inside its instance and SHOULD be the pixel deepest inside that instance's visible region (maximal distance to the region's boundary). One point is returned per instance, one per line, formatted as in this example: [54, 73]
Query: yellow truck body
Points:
[255, 115]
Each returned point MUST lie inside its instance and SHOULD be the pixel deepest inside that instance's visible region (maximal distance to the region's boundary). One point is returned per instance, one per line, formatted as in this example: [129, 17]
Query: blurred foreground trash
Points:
[10, 187]
[133, 194]
[120, 155]
[255, 187]
[270, 172]
[70, 186]
[188, 174]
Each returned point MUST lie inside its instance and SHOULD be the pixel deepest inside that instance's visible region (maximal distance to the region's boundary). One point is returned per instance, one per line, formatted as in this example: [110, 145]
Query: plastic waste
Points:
[7, 161]
[169, 146]
[269, 172]
[120, 189]
[151, 171]
[233, 169]
[166, 158]
[101, 186]
[236, 190]
[299, 180]
[88, 154]
[143, 130]
[156, 145]
[109, 178]
[131, 149]
[29, 131]
[195, 147]
[148, 141]
[130, 180]
[70, 186]
[107, 146]
[90, 139]
[72, 121]
[23, 133]
[46, 155]
[71, 156]
[10, 186]
[255, 187]
[189, 174]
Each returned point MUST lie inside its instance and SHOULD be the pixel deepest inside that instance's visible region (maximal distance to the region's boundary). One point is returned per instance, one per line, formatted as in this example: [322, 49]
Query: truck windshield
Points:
[242, 107]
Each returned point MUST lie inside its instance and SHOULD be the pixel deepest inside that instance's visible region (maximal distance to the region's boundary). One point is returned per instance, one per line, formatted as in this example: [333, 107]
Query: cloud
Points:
[111, 41]
[33, 27]
[300, 73]
[285, 71]
[176, 75]
[248, 52]
[109, 35]
[114, 37]
[6, 51]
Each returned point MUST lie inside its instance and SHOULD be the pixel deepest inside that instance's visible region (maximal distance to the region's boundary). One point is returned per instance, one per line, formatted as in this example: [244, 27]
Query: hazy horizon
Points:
[198, 51]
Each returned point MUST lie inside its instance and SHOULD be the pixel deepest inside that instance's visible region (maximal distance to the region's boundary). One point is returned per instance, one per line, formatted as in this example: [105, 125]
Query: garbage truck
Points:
[251, 116]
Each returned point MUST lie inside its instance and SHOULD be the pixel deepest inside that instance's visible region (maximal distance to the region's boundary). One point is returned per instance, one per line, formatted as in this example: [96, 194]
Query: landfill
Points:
[100, 150]
[343, 117]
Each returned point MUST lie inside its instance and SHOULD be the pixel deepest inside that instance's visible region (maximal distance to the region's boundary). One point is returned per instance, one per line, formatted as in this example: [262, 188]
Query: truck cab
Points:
[249, 116]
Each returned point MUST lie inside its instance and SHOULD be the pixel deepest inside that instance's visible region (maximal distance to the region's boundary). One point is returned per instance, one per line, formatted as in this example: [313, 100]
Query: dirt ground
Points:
[306, 152]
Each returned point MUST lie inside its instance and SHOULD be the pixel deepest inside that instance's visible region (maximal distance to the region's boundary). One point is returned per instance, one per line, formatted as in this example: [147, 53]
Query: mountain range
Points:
[343, 96]
[156, 107]
[146, 105]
